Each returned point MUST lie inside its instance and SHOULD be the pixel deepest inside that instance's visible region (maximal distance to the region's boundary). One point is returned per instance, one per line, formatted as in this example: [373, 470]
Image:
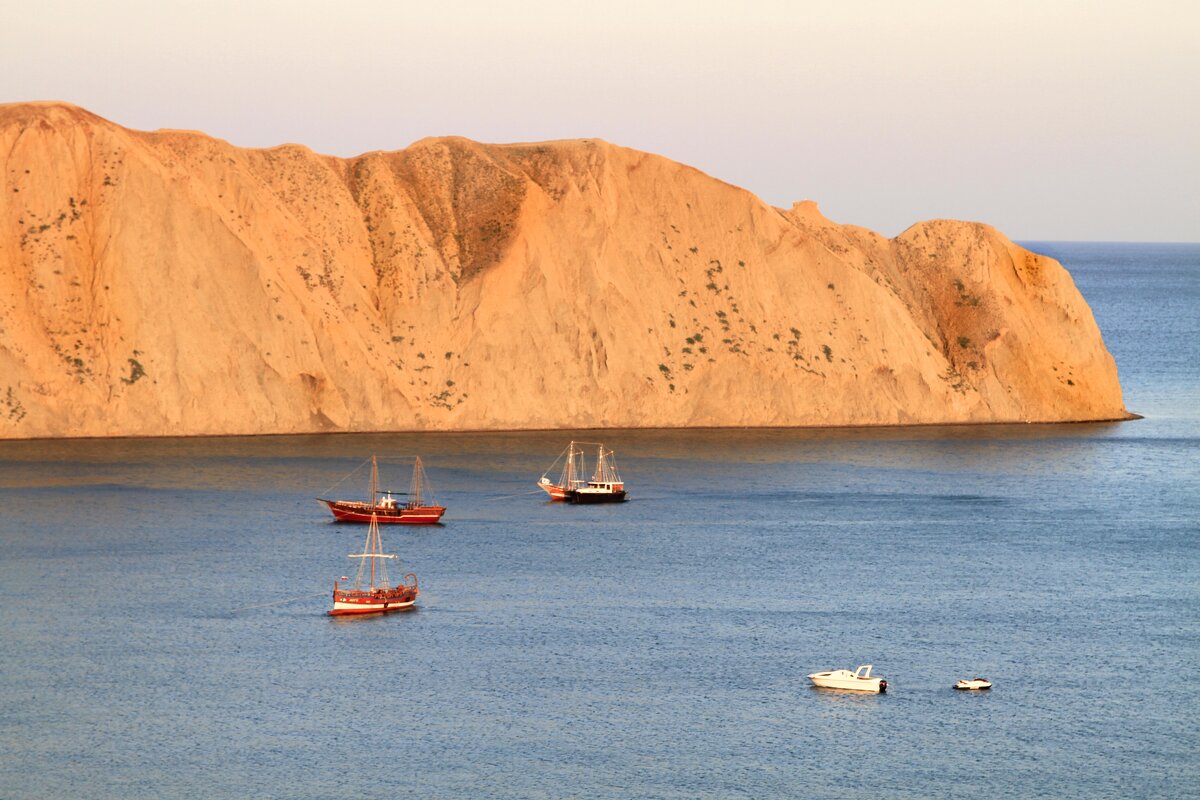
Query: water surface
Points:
[652, 649]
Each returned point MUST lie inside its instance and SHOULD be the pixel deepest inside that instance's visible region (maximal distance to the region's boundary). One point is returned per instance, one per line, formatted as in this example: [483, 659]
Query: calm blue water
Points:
[655, 649]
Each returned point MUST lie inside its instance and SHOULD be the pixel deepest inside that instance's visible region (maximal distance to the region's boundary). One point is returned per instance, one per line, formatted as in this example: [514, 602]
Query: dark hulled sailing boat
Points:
[605, 485]
[385, 506]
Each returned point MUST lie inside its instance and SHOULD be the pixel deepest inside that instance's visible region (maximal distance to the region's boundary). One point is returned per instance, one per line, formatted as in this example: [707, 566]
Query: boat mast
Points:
[416, 484]
[374, 482]
[570, 466]
[372, 549]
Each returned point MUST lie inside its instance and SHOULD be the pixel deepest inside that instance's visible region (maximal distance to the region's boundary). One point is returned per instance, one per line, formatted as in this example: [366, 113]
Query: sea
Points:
[163, 626]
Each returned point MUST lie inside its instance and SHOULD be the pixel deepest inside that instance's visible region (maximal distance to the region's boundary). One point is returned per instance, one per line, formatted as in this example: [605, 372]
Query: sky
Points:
[1049, 119]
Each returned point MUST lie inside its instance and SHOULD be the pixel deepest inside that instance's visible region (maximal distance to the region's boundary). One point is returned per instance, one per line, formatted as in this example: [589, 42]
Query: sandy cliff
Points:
[170, 283]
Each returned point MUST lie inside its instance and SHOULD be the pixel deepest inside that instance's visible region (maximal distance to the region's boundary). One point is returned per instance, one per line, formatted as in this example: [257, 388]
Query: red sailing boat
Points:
[605, 485]
[384, 505]
[379, 595]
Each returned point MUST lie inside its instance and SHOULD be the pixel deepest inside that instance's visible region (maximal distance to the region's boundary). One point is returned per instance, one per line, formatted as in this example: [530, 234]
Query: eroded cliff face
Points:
[169, 283]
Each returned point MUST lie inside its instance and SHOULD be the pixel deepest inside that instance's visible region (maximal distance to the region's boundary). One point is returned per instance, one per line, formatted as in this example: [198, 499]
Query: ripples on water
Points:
[655, 649]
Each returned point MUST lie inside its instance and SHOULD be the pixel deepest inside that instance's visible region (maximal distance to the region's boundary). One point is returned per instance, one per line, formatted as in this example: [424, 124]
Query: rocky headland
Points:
[169, 283]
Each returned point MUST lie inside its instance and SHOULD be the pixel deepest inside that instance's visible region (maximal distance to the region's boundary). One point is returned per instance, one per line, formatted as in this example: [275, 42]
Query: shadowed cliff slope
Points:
[170, 283]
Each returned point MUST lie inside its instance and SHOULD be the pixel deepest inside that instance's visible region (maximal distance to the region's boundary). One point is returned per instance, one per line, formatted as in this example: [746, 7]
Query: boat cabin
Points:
[605, 486]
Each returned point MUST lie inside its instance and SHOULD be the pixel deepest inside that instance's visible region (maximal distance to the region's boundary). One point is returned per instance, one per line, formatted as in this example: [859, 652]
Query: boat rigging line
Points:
[510, 496]
[386, 459]
[278, 602]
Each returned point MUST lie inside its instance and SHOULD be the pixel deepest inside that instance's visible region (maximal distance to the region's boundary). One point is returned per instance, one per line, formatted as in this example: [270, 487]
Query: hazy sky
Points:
[1047, 119]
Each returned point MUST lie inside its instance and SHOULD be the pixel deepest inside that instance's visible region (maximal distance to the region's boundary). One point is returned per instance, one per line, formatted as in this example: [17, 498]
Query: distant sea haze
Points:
[165, 633]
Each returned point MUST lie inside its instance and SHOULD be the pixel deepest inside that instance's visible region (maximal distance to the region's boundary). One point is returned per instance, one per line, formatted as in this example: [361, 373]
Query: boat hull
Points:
[557, 493]
[871, 686]
[362, 603]
[589, 498]
[846, 680]
[346, 511]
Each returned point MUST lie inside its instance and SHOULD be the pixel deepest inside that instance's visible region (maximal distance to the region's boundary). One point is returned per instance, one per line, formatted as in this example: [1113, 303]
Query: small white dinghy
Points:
[858, 681]
[974, 683]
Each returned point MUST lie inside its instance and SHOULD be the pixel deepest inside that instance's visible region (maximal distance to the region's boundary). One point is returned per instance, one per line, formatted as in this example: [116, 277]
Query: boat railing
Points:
[356, 594]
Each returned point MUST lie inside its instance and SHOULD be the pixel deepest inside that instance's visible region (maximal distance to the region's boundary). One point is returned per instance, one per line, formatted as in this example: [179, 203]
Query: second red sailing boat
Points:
[384, 506]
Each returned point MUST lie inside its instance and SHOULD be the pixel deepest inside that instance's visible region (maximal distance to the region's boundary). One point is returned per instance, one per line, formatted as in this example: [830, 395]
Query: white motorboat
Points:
[858, 681]
[974, 683]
